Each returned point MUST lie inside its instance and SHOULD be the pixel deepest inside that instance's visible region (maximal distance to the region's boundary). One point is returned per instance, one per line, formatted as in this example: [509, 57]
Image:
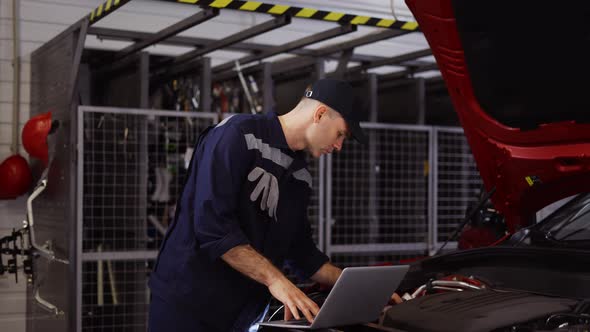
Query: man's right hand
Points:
[249, 262]
[294, 299]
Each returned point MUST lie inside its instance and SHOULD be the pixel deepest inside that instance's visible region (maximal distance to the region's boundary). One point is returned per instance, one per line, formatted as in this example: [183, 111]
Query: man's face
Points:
[327, 133]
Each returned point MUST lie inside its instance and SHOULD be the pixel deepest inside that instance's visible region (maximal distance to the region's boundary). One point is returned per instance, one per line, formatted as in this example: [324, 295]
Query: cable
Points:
[582, 306]
[583, 317]
[470, 215]
[310, 295]
[507, 235]
[274, 313]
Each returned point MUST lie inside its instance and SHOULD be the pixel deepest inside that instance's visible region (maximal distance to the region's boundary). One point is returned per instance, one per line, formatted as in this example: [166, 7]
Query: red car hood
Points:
[518, 78]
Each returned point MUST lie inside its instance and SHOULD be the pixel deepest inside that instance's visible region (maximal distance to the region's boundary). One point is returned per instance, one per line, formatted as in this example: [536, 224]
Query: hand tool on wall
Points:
[157, 224]
[165, 190]
[221, 97]
[255, 93]
[162, 189]
[253, 107]
[158, 186]
[112, 284]
[196, 97]
[99, 280]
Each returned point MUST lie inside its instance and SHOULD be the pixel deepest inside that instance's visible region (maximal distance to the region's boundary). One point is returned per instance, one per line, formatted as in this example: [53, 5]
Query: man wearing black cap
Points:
[243, 214]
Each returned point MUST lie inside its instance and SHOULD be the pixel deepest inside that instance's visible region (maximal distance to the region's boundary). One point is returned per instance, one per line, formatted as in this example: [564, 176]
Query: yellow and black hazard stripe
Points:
[259, 7]
[309, 13]
[104, 9]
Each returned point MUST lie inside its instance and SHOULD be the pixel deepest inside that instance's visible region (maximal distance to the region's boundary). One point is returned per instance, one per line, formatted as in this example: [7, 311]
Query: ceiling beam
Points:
[364, 40]
[299, 43]
[186, 62]
[199, 42]
[391, 61]
[166, 33]
[406, 72]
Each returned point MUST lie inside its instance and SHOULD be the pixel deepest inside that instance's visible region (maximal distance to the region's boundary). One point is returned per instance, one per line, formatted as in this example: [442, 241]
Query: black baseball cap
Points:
[339, 96]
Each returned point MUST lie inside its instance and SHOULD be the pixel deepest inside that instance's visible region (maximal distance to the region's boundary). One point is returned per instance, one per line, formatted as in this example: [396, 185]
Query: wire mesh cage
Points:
[458, 183]
[133, 165]
[380, 193]
[344, 260]
[133, 171]
[313, 210]
[115, 295]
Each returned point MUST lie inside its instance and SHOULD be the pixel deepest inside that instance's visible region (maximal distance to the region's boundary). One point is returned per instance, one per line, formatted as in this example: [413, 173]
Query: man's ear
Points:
[319, 112]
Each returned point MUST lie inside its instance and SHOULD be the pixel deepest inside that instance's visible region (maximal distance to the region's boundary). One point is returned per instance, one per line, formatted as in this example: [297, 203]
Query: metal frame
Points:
[373, 110]
[154, 112]
[435, 244]
[105, 9]
[205, 83]
[433, 193]
[179, 64]
[348, 45]
[329, 218]
[375, 248]
[396, 60]
[323, 220]
[310, 57]
[322, 204]
[432, 244]
[370, 125]
[119, 255]
[408, 72]
[200, 42]
[299, 43]
[420, 83]
[172, 30]
[253, 6]
[63, 78]
[307, 13]
[267, 88]
[79, 213]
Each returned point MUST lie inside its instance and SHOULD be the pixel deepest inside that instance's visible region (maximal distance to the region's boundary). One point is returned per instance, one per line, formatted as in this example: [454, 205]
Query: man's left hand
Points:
[395, 299]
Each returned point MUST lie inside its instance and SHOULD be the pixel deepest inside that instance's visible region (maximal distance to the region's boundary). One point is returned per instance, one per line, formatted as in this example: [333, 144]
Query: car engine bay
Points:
[461, 303]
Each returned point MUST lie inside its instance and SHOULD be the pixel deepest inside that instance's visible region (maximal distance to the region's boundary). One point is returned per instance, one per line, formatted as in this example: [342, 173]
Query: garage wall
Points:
[6, 79]
[12, 295]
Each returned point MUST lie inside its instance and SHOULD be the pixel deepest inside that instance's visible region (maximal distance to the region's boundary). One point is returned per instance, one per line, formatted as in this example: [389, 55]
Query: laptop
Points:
[358, 297]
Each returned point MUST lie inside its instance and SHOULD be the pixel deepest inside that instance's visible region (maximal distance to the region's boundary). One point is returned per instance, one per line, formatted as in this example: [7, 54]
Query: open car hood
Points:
[518, 77]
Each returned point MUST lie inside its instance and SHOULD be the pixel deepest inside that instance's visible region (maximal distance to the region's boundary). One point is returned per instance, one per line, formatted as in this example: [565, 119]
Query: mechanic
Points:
[243, 213]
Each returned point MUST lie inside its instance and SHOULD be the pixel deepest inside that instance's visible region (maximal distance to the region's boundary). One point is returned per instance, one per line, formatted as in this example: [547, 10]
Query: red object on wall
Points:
[34, 136]
[15, 177]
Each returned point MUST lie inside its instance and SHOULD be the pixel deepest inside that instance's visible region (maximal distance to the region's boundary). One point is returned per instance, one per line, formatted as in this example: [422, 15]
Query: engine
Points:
[459, 303]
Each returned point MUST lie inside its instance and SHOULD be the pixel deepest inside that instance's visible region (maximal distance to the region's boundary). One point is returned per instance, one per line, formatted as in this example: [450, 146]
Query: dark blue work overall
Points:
[245, 186]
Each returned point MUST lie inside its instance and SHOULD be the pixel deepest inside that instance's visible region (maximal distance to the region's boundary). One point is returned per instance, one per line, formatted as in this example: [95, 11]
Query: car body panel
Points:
[530, 167]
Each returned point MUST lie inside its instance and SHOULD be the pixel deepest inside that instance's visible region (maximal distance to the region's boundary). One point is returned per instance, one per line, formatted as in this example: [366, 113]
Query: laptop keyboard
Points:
[301, 322]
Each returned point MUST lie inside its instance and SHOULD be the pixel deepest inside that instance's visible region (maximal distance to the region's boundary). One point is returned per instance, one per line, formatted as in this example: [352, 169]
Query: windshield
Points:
[571, 222]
